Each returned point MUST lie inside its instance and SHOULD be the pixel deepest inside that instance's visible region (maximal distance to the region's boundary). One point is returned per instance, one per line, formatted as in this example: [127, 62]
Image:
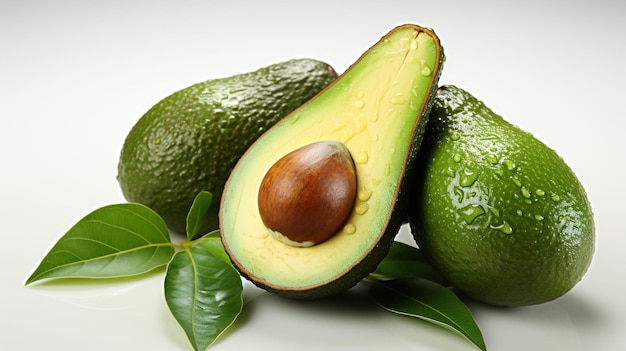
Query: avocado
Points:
[372, 117]
[190, 141]
[494, 209]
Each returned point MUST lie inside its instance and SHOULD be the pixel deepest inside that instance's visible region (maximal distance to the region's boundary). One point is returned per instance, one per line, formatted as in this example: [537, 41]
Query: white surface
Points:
[76, 75]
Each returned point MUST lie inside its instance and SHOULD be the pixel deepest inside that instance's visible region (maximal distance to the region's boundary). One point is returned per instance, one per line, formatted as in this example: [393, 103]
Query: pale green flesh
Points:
[373, 110]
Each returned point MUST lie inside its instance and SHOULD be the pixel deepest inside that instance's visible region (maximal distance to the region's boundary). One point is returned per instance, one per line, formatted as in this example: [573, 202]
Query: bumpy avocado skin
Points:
[393, 215]
[495, 210]
[190, 140]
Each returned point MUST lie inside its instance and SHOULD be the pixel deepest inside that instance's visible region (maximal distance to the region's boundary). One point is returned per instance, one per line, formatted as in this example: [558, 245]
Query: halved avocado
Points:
[378, 109]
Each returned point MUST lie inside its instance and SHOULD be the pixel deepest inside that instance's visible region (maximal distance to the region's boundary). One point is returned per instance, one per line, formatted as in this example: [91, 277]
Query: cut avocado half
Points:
[377, 109]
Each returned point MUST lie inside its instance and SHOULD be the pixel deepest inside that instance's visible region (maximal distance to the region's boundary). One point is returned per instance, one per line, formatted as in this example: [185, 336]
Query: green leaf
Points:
[112, 241]
[213, 243]
[407, 261]
[429, 301]
[197, 215]
[213, 234]
[203, 292]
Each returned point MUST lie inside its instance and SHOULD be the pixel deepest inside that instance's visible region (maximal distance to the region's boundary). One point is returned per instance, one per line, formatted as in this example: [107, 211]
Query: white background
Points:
[76, 75]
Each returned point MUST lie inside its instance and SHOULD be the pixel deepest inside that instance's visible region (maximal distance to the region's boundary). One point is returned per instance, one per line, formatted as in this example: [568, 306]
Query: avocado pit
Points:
[308, 194]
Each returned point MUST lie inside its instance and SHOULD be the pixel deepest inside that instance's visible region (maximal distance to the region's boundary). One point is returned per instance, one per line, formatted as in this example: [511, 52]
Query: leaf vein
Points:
[451, 322]
[164, 234]
[96, 258]
[134, 233]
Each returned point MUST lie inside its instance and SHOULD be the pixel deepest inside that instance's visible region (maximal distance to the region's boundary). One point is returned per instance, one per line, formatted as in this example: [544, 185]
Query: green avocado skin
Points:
[495, 210]
[191, 140]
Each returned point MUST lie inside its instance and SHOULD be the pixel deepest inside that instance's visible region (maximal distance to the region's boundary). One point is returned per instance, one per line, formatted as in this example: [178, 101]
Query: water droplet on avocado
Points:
[492, 159]
[505, 228]
[346, 135]
[359, 103]
[457, 158]
[426, 71]
[455, 137]
[349, 228]
[517, 182]
[362, 157]
[538, 217]
[360, 123]
[337, 126]
[374, 117]
[490, 136]
[555, 197]
[361, 208]
[295, 119]
[470, 212]
[540, 192]
[468, 177]
[459, 193]
[525, 192]
[397, 100]
[450, 172]
[519, 213]
[364, 194]
[387, 169]
[236, 90]
[498, 174]
[157, 141]
[510, 165]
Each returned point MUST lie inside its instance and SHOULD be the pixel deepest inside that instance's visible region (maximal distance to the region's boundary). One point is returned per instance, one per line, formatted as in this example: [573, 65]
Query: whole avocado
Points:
[191, 140]
[495, 210]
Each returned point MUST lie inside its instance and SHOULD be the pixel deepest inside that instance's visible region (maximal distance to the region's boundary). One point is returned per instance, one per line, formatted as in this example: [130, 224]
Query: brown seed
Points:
[307, 195]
